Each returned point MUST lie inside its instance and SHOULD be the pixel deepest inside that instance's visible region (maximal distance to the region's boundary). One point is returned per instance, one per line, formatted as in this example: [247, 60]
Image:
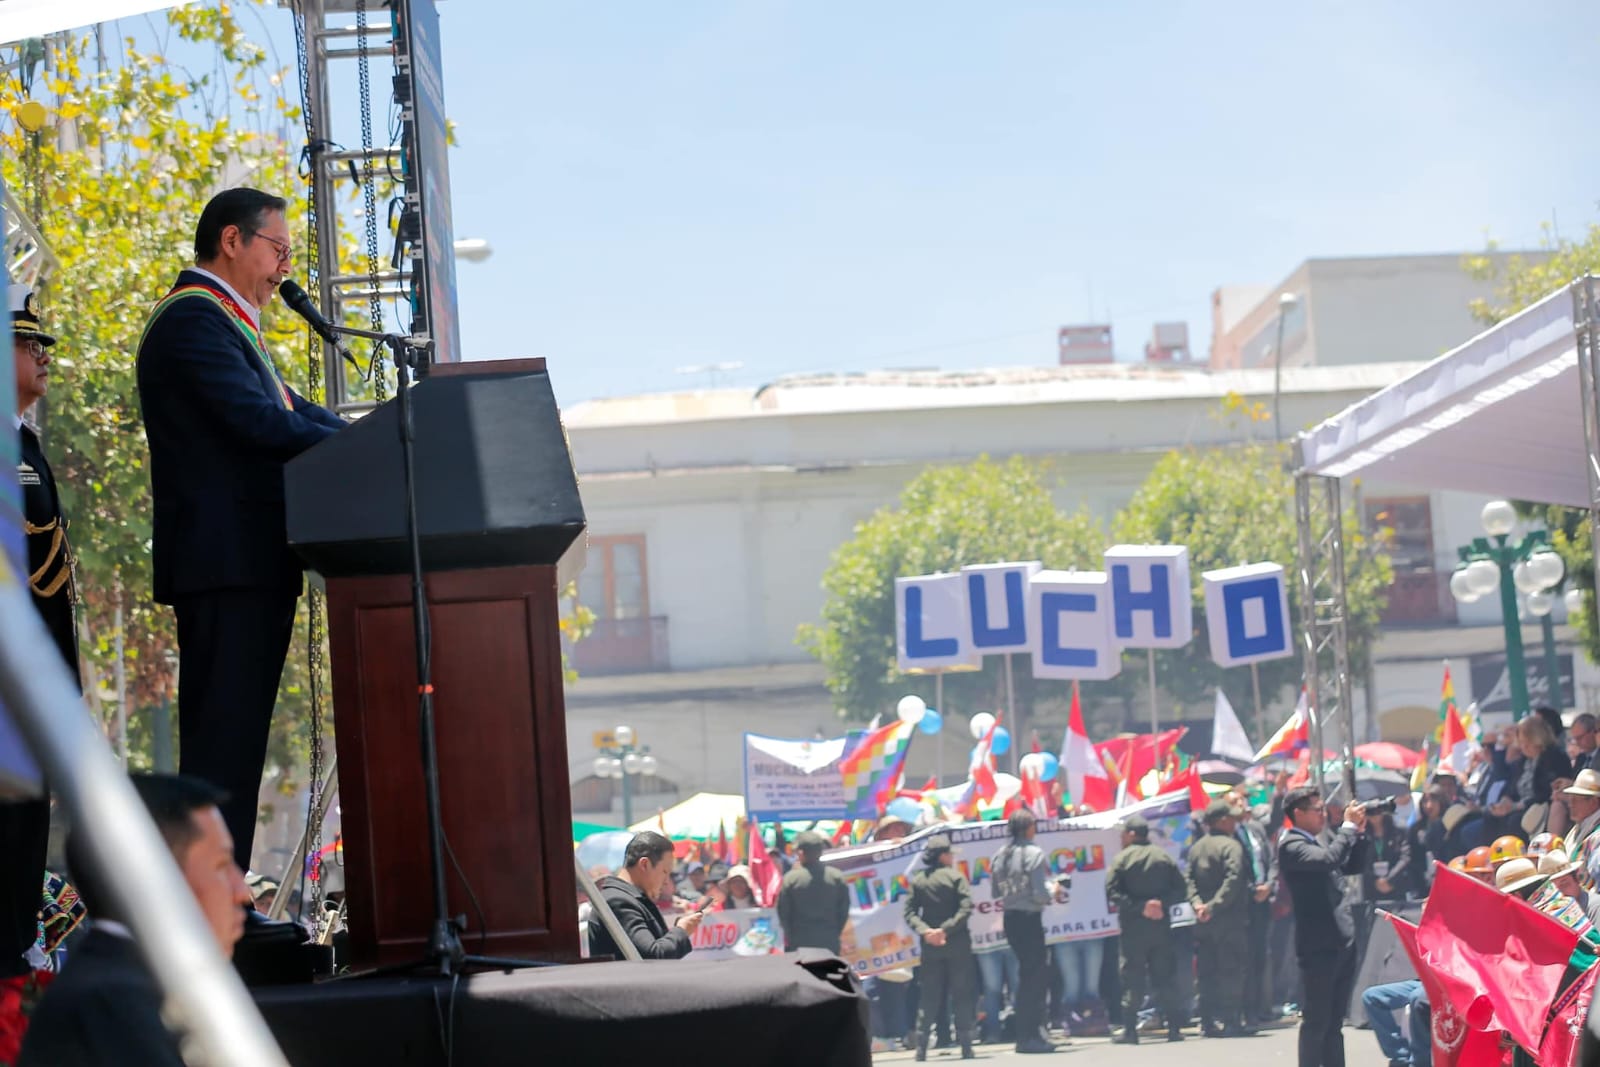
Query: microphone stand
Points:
[445, 951]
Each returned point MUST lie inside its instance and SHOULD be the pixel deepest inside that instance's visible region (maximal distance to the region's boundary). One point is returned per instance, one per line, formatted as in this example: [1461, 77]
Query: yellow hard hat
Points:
[1505, 848]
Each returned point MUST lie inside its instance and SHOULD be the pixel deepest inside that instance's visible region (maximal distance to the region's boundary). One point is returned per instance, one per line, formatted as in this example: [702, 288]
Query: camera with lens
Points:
[1382, 804]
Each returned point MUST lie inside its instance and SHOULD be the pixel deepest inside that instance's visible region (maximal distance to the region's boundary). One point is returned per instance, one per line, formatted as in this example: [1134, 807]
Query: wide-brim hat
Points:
[1586, 784]
[1453, 816]
[25, 315]
[1557, 864]
[1512, 877]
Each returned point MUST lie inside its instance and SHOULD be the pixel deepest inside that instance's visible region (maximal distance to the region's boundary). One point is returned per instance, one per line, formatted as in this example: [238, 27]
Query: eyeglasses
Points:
[33, 347]
[285, 250]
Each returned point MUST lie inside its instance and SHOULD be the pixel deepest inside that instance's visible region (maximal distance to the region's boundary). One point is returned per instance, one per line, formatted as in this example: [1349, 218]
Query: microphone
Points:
[299, 302]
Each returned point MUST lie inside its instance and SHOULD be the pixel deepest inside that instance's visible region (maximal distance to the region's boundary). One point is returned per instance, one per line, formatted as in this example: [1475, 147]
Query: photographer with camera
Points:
[1386, 874]
[1324, 927]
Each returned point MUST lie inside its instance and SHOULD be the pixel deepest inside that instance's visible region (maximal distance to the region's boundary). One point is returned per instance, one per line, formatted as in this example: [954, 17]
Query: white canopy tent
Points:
[1512, 413]
[1501, 415]
[22, 19]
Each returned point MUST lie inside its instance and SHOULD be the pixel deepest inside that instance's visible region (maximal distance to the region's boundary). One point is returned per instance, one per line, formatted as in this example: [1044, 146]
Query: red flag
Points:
[1086, 777]
[1454, 1042]
[1135, 757]
[982, 772]
[1498, 960]
[1567, 1017]
[1454, 749]
[842, 834]
[762, 868]
[1190, 780]
[1032, 795]
[724, 846]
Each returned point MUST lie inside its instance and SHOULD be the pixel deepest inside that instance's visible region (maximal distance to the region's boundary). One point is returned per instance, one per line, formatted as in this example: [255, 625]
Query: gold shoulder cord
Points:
[59, 550]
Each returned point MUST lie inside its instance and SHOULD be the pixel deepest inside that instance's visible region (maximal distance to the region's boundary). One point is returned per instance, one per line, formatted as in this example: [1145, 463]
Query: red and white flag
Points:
[1456, 1043]
[1454, 747]
[763, 869]
[1086, 775]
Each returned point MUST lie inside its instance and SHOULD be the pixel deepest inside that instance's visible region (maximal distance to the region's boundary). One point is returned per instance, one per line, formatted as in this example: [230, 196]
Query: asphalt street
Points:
[1273, 1046]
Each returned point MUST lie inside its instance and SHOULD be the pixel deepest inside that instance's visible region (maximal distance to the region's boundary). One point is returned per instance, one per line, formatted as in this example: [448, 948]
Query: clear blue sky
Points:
[813, 185]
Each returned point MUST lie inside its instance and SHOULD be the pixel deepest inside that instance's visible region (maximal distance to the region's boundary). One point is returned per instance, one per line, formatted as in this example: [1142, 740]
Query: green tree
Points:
[138, 139]
[946, 517]
[135, 144]
[1231, 506]
[1519, 282]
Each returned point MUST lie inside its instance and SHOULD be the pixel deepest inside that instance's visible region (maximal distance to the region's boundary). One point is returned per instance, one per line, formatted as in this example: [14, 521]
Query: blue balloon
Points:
[1052, 767]
[1001, 743]
[904, 808]
[931, 722]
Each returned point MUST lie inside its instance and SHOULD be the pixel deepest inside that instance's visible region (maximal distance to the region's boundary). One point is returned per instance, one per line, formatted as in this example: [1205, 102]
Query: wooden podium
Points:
[501, 526]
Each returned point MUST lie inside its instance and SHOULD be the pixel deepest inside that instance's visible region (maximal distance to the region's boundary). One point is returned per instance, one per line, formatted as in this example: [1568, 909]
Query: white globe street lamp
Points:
[1499, 518]
[1483, 577]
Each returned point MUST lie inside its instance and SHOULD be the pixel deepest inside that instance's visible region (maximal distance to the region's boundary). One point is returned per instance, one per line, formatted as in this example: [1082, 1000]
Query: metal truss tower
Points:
[368, 187]
[1323, 617]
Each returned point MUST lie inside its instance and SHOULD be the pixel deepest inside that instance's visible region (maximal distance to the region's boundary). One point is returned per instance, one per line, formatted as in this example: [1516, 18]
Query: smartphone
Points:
[704, 903]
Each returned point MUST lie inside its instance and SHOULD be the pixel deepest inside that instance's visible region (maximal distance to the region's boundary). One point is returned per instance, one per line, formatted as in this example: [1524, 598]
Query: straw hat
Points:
[1586, 784]
[1556, 864]
[1517, 874]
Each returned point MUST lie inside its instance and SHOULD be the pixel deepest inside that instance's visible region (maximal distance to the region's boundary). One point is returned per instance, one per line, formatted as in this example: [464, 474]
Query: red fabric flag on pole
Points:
[762, 868]
[1498, 960]
[725, 847]
[1567, 1018]
[1455, 1044]
[1087, 780]
[1455, 748]
[1189, 780]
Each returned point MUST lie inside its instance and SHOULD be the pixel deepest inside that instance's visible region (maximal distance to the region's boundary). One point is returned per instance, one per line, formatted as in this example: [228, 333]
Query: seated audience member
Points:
[105, 1008]
[632, 894]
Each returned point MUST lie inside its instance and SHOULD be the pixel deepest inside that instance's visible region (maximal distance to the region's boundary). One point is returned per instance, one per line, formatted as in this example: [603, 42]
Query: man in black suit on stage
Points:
[25, 824]
[105, 1008]
[1324, 927]
[222, 422]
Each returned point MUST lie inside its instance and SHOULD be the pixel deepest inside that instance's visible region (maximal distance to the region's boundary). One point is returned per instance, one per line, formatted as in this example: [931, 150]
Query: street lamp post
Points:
[1528, 565]
[1286, 301]
[627, 760]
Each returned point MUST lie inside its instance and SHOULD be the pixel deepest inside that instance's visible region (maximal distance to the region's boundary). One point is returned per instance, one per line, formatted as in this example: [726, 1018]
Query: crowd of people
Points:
[1253, 926]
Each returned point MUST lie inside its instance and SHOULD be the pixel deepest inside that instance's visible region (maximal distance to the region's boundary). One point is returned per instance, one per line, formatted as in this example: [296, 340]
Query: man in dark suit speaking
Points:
[1324, 928]
[222, 422]
[105, 1009]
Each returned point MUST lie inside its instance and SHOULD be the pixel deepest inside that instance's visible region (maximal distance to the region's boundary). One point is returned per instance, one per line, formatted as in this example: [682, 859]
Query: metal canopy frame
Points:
[1324, 611]
[1323, 604]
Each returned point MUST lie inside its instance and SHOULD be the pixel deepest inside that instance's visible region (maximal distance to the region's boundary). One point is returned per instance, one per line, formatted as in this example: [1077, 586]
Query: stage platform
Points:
[800, 1008]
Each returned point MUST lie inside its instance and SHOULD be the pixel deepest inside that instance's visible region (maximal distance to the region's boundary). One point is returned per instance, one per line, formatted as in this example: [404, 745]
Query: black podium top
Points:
[494, 480]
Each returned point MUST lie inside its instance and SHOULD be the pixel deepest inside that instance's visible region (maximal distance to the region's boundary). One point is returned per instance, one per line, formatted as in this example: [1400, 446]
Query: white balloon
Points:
[1032, 764]
[910, 708]
[980, 725]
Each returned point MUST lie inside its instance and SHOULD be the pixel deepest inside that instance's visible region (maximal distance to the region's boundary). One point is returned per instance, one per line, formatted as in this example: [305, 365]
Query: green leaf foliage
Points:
[1232, 506]
[1229, 506]
[946, 518]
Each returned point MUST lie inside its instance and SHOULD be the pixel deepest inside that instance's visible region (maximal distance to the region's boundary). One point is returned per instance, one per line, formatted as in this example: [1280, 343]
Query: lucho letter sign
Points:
[1076, 624]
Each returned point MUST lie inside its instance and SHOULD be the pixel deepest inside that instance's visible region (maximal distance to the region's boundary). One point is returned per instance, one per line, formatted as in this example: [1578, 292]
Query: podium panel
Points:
[503, 787]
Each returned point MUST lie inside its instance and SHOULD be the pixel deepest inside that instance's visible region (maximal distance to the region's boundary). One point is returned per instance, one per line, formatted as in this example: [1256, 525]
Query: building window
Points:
[613, 584]
[1403, 526]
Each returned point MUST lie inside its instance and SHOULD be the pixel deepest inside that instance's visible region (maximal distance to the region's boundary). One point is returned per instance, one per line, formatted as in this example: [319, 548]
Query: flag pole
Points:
[1155, 717]
[1011, 714]
[1255, 687]
[938, 705]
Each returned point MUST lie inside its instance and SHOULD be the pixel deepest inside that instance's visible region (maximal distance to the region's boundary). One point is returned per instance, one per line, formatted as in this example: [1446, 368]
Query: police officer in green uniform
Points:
[937, 911]
[1219, 890]
[813, 901]
[1142, 884]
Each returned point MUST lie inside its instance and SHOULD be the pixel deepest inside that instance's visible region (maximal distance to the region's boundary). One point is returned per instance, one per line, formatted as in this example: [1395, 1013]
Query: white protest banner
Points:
[793, 779]
[877, 939]
[726, 935]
